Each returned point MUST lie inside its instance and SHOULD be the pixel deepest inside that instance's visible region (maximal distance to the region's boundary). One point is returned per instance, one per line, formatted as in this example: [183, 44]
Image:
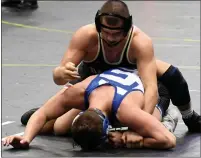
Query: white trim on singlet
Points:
[97, 54]
[122, 53]
[130, 62]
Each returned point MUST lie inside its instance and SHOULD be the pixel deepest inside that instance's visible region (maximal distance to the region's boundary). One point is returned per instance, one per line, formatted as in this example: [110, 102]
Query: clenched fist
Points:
[132, 139]
[66, 73]
[115, 139]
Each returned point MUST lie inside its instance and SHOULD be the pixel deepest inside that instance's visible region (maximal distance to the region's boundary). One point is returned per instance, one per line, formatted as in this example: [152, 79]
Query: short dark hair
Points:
[87, 130]
[117, 7]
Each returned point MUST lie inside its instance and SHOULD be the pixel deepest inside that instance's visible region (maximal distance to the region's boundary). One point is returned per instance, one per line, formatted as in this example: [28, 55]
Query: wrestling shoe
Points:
[28, 5]
[170, 119]
[193, 122]
[25, 117]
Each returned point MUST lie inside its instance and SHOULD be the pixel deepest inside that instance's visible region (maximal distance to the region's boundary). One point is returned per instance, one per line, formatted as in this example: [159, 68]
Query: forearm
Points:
[34, 126]
[155, 144]
[165, 141]
[151, 99]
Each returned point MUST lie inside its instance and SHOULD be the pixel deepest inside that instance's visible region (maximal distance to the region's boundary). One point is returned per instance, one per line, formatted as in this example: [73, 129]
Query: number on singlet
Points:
[122, 77]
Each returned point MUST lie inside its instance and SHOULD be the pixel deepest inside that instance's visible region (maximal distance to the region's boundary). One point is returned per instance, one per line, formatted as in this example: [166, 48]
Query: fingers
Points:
[131, 144]
[111, 134]
[115, 139]
[16, 142]
[7, 141]
[115, 134]
[71, 73]
[71, 66]
[132, 140]
[11, 140]
[123, 138]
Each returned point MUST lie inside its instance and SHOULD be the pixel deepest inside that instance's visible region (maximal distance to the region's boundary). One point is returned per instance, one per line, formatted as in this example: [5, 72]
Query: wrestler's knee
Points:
[162, 67]
[176, 85]
[60, 129]
[62, 125]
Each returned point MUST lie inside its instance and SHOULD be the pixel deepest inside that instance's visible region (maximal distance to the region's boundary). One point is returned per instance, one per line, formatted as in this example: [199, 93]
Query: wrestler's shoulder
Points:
[88, 30]
[140, 38]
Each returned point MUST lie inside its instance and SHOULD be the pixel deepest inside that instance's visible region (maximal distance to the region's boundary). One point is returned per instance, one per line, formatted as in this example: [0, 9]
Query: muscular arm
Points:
[146, 66]
[154, 134]
[52, 109]
[75, 53]
[62, 102]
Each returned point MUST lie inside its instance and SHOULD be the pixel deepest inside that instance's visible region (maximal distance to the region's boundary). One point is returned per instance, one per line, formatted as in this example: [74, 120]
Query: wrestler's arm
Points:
[65, 100]
[75, 54]
[47, 112]
[154, 133]
[146, 66]
[73, 97]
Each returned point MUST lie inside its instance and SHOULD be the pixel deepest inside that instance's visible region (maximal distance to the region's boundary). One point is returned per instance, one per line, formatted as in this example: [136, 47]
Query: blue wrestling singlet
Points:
[123, 80]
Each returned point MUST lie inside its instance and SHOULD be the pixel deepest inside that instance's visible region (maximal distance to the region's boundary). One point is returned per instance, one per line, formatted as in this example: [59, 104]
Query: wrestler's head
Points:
[89, 129]
[113, 20]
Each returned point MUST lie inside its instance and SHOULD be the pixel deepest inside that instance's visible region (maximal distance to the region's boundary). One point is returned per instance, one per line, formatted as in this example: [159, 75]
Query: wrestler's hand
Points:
[17, 142]
[69, 72]
[132, 139]
[115, 139]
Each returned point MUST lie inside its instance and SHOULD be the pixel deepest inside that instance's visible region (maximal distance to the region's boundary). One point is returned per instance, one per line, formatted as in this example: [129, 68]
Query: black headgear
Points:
[127, 21]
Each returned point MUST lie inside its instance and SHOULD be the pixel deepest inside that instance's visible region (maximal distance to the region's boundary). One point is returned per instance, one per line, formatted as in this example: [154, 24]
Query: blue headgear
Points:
[106, 124]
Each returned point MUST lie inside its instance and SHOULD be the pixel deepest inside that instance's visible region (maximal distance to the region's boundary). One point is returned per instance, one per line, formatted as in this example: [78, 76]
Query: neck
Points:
[104, 110]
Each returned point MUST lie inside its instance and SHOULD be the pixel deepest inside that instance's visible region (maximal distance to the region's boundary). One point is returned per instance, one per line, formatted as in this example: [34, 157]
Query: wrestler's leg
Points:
[63, 124]
[177, 87]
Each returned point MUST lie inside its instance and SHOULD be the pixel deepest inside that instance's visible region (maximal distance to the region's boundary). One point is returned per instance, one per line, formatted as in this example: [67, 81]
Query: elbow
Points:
[172, 142]
[168, 142]
[41, 115]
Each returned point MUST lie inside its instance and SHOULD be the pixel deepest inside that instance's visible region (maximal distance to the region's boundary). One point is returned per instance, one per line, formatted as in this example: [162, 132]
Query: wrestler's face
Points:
[112, 33]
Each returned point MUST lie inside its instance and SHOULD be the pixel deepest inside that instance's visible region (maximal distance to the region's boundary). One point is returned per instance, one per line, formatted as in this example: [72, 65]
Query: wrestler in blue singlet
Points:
[123, 80]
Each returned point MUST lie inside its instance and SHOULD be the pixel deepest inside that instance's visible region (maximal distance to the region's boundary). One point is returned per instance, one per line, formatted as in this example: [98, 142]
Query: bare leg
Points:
[48, 128]
[63, 123]
[172, 78]
[161, 67]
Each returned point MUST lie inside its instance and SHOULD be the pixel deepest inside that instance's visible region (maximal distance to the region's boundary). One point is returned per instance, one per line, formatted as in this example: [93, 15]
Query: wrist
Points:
[27, 139]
